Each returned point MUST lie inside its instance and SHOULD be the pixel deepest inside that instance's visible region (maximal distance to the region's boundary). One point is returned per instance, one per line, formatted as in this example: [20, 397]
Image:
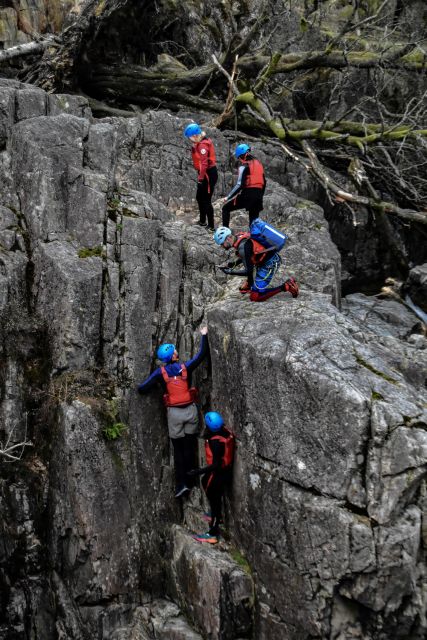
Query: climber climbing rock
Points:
[204, 161]
[259, 248]
[219, 449]
[180, 399]
[249, 189]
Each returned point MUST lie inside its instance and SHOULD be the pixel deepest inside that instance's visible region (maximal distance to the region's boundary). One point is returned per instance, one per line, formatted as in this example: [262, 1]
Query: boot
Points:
[291, 285]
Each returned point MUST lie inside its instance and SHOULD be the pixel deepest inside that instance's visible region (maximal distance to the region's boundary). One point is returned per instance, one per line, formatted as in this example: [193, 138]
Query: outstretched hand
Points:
[203, 330]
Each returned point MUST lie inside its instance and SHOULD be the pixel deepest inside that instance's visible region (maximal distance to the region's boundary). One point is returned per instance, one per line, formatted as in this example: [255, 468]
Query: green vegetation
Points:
[368, 366]
[89, 252]
[376, 396]
[114, 428]
[114, 431]
[240, 560]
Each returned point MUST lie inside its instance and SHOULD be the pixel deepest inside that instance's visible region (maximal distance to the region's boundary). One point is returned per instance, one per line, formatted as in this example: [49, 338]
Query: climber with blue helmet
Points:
[204, 161]
[219, 451]
[253, 255]
[249, 189]
[180, 401]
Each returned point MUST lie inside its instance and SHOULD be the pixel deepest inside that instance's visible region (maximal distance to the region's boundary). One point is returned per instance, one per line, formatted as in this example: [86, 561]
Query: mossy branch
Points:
[351, 133]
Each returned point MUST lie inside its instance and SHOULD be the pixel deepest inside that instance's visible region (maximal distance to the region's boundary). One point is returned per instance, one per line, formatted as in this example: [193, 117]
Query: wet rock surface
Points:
[98, 264]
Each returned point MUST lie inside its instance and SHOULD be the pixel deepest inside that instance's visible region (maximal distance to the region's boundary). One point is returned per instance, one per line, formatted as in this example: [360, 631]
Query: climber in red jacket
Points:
[219, 450]
[204, 161]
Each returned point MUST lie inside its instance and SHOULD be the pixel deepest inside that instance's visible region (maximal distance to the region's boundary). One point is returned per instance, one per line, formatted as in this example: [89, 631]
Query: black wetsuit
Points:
[215, 479]
[241, 197]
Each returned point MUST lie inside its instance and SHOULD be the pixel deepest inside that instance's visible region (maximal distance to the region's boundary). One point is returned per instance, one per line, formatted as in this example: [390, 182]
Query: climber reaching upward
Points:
[219, 450]
[261, 257]
[249, 189]
[204, 161]
[180, 400]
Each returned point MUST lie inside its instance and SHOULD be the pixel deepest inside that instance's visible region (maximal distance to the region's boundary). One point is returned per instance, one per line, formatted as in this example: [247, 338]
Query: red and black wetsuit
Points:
[204, 161]
[248, 191]
[217, 475]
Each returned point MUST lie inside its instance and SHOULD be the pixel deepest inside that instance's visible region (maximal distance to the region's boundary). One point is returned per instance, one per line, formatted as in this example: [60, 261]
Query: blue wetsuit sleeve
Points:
[239, 184]
[199, 357]
[150, 382]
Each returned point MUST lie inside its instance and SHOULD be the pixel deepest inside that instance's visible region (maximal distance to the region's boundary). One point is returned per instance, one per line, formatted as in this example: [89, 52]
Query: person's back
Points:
[219, 450]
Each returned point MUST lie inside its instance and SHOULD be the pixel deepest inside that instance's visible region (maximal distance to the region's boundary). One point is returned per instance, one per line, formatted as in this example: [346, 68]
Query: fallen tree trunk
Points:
[342, 195]
[25, 49]
[347, 132]
[405, 58]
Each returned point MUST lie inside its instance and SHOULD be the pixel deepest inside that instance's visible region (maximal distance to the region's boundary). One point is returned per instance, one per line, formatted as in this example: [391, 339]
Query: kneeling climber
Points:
[182, 413]
[204, 161]
[219, 450]
[257, 249]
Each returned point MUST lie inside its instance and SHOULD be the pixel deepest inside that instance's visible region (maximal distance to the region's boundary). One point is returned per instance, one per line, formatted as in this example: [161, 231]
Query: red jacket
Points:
[203, 155]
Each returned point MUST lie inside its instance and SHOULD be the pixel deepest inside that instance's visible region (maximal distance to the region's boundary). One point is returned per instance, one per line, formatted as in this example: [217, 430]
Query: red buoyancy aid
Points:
[260, 253]
[178, 392]
[229, 446]
[203, 150]
[255, 176]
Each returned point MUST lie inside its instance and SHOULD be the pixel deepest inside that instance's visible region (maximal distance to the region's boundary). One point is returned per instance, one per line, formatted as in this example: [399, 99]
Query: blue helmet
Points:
[165, 352]
[221, 234]
[192, 129]
[214, 420]
[241, 149]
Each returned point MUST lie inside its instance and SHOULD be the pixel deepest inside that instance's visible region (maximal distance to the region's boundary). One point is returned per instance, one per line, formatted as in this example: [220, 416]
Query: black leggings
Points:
[185, 457]
[204, 195]
[214, 485]
[249, 199]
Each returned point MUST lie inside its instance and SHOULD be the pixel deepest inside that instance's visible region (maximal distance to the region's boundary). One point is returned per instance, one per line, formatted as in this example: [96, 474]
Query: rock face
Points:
[98, 264]
[20, 20]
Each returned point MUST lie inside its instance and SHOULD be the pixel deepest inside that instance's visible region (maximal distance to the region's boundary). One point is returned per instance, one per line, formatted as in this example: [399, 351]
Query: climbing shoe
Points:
[291, 285]
[182, 491]
[201, 224]
[245, 288]
[206, 537]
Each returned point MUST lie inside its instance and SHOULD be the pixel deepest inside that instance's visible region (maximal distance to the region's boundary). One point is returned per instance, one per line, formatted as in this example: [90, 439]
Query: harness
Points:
[260, 253]
[178, 393]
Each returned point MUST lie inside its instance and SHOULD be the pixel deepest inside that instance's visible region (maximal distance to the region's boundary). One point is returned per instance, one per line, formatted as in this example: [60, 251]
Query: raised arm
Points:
[201, 355]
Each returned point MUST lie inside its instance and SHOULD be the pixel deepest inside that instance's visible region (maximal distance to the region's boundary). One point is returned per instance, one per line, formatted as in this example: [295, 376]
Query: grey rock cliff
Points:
[98, 264]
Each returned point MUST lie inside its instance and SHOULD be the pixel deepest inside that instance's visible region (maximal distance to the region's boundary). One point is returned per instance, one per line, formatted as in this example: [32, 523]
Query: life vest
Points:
[178, 393]
[255, 176]
[229, 443]
[260, 253]
[202, 149]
